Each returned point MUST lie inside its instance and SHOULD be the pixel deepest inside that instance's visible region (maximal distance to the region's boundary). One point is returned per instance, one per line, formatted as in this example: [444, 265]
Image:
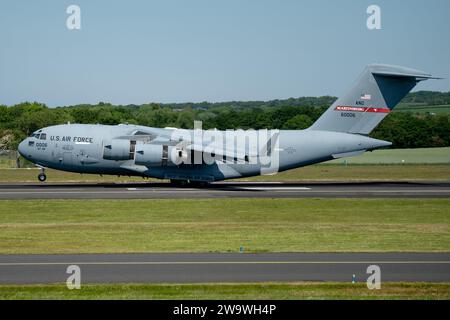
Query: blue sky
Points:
[208, 50]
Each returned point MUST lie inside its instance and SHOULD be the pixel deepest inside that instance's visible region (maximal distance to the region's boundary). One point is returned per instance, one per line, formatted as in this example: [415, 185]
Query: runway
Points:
[204, 268]
[225, 190]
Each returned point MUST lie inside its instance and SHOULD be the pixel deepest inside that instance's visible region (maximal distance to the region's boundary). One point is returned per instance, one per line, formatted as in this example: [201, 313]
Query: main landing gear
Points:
[42, 176]
[188, 183]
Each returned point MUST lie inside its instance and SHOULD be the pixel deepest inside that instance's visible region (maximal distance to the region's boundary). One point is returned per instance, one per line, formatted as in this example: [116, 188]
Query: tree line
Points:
[404, 129]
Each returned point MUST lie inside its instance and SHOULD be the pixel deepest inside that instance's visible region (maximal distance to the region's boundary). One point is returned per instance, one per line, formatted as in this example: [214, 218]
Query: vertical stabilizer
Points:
[377, 91]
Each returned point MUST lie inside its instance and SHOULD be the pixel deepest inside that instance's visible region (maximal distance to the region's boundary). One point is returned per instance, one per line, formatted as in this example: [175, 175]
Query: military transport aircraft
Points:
[202, 156]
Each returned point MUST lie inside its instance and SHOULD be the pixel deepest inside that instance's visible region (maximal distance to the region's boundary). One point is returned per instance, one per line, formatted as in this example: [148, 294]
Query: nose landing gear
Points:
[42, 176]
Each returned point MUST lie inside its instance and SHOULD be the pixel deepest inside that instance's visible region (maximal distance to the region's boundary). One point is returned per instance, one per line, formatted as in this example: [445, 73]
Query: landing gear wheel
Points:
[189, 183]
[198, 184]
[42, 177]
[179, 183]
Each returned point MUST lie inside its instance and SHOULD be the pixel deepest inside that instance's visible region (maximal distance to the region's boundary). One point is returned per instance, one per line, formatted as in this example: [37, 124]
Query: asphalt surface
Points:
[203, 268]
[224, 190]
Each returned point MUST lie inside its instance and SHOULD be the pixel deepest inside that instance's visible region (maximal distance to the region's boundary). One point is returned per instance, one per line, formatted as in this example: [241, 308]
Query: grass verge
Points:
[401, 156]
[270, 291]
[333, 172]
[223, 225]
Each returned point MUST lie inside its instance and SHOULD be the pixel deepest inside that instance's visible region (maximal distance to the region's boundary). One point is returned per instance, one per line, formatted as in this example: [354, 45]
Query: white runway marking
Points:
[275, 188]
[112, 263]
[246, 182]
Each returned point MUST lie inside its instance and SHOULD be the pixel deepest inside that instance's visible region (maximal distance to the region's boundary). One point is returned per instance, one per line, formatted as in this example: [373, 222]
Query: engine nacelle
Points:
[118, 149]
[154, 155]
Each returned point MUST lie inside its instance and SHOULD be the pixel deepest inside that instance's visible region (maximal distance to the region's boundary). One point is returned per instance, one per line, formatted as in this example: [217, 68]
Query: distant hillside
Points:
[291, 102]
[430, 98]
[420, 98]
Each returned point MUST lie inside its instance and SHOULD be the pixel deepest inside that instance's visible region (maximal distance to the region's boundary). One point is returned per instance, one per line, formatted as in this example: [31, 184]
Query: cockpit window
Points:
[43, 136]
[34, 135]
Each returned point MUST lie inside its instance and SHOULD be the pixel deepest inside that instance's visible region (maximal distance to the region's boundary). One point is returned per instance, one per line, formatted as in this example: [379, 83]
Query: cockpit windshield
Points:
[35, 135]
[39, 136]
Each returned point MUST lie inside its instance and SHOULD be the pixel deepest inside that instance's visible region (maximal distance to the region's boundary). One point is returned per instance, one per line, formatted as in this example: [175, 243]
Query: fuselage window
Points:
[43, 136]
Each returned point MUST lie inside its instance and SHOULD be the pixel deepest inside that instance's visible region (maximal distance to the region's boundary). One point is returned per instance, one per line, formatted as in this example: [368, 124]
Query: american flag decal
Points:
[366, 97]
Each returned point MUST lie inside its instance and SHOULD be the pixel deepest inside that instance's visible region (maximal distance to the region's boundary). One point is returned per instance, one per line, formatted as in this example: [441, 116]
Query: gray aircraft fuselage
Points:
[134, 150]
[80, 148]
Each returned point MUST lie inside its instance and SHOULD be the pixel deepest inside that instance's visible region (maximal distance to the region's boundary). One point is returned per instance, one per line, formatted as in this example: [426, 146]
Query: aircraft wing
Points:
[186, 142]
[150, 135]
[216, 151]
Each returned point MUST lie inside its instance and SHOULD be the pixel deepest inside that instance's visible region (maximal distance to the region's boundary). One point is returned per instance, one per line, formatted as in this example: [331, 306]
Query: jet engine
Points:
[154, 155]
[118, 149]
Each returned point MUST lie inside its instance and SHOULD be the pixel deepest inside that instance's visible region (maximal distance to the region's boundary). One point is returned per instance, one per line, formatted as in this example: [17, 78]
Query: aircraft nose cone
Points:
[21, 148]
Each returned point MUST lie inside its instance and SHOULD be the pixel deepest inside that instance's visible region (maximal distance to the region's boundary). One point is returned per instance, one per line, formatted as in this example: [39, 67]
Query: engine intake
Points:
[118, 149]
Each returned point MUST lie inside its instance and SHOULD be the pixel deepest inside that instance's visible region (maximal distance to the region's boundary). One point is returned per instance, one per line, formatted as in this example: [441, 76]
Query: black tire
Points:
[42, 177]
[179, 183]
[198, 184]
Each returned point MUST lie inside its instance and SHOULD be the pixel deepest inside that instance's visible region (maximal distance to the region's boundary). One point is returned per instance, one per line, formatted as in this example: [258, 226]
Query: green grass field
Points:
[361, 173]
[269, 291]
[223, 225]
[423, 108]
[30, 175]
[6, 162]
[401, 156]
